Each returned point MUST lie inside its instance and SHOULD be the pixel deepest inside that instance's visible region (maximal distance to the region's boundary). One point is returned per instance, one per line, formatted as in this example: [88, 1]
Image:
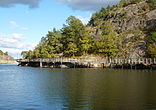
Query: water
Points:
[26, 88]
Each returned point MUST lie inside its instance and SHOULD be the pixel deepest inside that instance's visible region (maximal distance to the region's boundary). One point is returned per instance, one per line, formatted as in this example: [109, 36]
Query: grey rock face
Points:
[133, 18]
[138, 50]
[125, 21]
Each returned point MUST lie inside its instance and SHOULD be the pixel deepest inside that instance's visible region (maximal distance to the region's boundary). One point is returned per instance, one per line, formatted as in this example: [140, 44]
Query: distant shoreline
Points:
[7, 61]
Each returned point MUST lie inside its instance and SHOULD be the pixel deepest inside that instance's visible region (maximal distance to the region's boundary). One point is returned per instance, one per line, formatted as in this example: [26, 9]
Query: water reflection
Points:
[107, 89]
[76, 89]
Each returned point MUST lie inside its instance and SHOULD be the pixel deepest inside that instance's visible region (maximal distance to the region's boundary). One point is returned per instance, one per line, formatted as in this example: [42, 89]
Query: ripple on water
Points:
[26, 88]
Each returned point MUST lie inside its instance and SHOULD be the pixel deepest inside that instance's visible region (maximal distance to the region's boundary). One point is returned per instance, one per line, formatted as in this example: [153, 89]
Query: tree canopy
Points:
[74, 39]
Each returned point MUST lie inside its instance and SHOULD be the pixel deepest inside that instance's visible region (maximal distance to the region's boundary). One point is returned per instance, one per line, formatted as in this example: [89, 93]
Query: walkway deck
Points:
[90, 61]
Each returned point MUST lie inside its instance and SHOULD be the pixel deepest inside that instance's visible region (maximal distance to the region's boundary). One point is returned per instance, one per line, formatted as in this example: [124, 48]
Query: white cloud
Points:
[88, 5]
[24, 28]
[11, 3]
[84, 19]
[14, 25]
[14, 43]
[17, 36]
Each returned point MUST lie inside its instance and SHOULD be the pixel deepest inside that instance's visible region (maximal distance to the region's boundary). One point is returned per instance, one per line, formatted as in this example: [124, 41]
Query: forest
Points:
[98, 37]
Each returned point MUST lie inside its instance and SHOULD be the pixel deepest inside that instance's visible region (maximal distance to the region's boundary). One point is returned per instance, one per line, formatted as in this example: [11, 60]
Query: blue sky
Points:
[24, 22]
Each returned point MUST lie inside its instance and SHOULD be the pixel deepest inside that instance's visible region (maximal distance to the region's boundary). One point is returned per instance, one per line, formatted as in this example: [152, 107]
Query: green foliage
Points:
[102, 14]
[152, 3]
[54, 45]
[3, 53]
[71, 33]
[144, 8]
[86, 43]
[151, 44]
[27, 54]
[95, 19]
[6, 53]
[124, 3]
[76, 40]
[107, 44]
[72, 40]
[24, 54]
[135, 1]
[152, 50]
[152, 38]
[50, 46]
[127, 2]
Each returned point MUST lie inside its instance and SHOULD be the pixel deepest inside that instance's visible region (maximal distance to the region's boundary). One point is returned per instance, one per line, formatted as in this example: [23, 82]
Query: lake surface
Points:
[26, 88]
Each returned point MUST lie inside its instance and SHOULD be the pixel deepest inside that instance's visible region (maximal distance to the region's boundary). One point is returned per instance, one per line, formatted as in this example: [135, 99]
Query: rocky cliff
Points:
[133, 17]
[132, 23]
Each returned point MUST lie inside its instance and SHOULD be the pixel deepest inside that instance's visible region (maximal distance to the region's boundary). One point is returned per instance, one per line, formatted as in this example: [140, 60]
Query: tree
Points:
[152, 50]
[24, 54]
[2, 53]
[152, 38]
[76, 40]
[54, 42]
[107, 44]
[95, 19]
[6, 53]
[151, 44]
[86, 43]
[35, 53]
[49, 46]
[27, 54]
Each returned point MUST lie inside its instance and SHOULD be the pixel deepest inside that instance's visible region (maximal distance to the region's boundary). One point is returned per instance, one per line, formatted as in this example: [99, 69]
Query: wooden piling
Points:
[41, 63]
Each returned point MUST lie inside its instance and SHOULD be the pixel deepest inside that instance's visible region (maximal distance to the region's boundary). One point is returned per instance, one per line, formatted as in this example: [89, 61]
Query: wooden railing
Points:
[145, 61]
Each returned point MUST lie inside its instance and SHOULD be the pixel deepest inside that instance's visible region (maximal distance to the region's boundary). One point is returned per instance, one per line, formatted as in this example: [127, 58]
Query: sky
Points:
[24, 22]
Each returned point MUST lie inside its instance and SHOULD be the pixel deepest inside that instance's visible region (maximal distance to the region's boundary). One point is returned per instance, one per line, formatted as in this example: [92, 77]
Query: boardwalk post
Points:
[150, 61]
[139, 61]
[61, 61]
[135, 62]
[110, 62]
[146, 61]
[154, 61]
[40, 63]
[74, 63]
[131, 66]
[143, 60]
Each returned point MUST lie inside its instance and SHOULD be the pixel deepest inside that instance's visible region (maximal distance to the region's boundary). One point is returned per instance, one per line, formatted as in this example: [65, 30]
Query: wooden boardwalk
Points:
[92, 61]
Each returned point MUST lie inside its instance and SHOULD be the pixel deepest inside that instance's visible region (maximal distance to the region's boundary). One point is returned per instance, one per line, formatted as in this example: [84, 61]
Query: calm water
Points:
[26, 88]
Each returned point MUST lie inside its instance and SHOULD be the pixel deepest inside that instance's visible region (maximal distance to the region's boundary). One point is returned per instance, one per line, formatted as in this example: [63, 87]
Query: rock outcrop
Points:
[133, 16]
[131, 24]
[4, 58]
